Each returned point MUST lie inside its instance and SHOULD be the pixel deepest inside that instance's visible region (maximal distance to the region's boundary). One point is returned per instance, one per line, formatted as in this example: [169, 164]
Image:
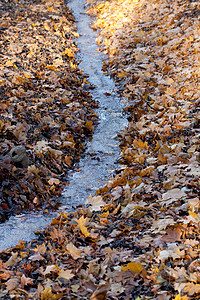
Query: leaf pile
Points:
[138, 237]
[43, 102]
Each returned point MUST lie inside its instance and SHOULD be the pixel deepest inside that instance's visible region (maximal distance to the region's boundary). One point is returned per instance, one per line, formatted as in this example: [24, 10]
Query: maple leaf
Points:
[51, 268]
[54, 181]
[95, 202]
[179, 297]
[13, 259]
[172, 235]
[100, 292]
[66, 274]
[192, 288]
[81, 223]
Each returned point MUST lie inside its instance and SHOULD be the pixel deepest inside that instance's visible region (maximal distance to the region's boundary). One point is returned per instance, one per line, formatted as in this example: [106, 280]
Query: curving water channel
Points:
[102, 151]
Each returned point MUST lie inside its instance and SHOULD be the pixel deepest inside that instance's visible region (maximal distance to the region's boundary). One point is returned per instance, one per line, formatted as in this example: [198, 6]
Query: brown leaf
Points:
[100, 293]
[66, 274]
[36, 256]
[172, 235]
[12, 284]
[51, 268]
[74, 251]
[26, 281]
[54, 181]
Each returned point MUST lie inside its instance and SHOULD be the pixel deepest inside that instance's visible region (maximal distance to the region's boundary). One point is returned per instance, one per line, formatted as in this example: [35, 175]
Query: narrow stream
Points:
[102, 151]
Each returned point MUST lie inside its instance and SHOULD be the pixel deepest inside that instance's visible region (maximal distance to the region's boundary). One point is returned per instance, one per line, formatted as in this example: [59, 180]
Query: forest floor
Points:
[138, 237]
[45, 107]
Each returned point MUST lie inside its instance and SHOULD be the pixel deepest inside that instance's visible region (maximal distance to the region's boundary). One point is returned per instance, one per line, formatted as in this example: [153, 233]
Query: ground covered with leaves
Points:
[138, 238]
[46, 111]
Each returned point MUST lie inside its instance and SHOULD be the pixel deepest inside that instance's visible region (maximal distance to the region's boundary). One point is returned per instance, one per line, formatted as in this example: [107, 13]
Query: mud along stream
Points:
[102, 151]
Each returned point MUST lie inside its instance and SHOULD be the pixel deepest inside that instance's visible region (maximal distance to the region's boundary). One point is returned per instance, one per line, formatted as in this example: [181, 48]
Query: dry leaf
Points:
[66, 274]
[135, 268]
[26, 281]
[81, 223]
[74, 251]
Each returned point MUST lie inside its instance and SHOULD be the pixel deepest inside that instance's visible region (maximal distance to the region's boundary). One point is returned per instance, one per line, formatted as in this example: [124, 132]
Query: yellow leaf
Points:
[73, 66]
[10, 62]
[139, 144]
[104, 215]
[120, 75]
[68, 52]
[193, 215]
[51, 67]
[179, 297]
[81, 223]
[135, 268]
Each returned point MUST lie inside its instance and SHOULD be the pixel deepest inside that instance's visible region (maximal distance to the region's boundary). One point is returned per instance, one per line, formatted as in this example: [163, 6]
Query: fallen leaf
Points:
[66, 274]
[51, 269]
[100, 293]
[74, 251]
[12, 284]
[135, 268]
[36, 256]
[26, 281]
[81, 223]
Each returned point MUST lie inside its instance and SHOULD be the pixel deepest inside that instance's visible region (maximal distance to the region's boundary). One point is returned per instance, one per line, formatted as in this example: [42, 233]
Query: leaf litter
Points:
[46, 113]
[138, 237]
